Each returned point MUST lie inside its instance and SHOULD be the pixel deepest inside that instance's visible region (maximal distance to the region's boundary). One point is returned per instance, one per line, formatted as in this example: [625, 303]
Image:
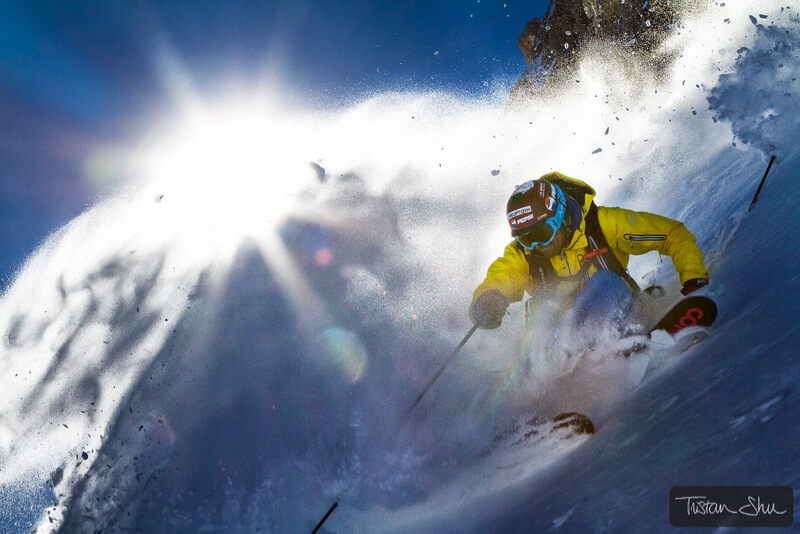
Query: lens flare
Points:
[345, 351]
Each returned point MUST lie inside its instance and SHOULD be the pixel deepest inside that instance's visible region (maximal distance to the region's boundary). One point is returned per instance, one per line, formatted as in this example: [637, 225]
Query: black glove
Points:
[693, 285]
[489, 309]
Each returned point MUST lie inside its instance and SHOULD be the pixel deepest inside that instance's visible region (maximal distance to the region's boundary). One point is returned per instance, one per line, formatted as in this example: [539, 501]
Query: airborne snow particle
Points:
[495, 172]
[598, 150]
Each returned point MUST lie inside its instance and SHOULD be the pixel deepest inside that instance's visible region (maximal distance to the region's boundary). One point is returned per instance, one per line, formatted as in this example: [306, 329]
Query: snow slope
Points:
[231, 349]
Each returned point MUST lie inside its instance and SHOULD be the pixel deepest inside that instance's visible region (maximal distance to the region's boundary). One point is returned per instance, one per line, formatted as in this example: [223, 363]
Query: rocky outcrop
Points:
[551, 44]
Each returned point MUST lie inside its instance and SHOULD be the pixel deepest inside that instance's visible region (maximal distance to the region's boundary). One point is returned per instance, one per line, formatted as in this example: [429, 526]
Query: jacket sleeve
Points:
[635, 233]
[507, 274]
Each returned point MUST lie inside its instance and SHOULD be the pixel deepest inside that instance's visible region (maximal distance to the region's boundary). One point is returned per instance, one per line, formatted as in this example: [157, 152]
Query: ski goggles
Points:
[544, 232]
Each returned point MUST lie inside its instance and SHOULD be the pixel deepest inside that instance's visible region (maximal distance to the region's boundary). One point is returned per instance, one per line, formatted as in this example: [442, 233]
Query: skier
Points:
[566, 247]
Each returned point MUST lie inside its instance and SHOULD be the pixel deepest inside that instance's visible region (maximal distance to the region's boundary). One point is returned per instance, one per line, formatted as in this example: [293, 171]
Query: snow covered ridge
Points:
[231, 351]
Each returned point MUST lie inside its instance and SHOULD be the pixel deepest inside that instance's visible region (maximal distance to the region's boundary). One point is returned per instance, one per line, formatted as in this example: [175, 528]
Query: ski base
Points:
[566, 425]
[576, 422]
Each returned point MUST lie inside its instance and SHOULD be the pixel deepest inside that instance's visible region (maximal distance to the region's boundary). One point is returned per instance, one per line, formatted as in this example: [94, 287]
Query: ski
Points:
[576, 423]
[692, 311]
[566, 425]
[696, 310]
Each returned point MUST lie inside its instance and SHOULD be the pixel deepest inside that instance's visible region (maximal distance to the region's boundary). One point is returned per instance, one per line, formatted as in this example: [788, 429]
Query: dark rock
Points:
[629, 29]
[57, 476]
[320, 172]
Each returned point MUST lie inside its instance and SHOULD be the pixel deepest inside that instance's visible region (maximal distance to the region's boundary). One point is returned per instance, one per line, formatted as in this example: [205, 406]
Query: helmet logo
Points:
[531, 204]
[517, 213]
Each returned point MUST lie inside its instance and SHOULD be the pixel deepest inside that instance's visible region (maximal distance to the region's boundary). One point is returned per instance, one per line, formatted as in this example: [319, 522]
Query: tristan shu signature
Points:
[699, 505]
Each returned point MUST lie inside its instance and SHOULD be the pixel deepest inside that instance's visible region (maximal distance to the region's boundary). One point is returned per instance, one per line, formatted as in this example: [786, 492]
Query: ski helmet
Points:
[536, 207]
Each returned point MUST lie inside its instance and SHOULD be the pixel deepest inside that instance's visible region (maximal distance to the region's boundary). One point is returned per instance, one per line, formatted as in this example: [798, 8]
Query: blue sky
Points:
[78, 76]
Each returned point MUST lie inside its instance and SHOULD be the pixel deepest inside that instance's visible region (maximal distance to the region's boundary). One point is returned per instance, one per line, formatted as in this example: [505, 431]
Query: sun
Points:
[233, 173]
[229, 170]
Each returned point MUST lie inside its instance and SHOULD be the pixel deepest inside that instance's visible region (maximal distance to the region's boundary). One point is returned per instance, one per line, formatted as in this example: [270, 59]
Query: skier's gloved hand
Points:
[693, 285]
[489, 309]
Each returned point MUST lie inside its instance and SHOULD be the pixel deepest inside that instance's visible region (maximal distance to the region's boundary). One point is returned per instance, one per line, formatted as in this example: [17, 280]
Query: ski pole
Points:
[330, 511]
[753, 203]
[439, 372]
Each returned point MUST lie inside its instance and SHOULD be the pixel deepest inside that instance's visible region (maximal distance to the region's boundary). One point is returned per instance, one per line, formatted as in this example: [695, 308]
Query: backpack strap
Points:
[601, 254]
[540, 269]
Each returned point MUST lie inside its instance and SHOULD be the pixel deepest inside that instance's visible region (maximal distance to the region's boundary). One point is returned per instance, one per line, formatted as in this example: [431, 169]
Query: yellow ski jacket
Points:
[626, 232]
